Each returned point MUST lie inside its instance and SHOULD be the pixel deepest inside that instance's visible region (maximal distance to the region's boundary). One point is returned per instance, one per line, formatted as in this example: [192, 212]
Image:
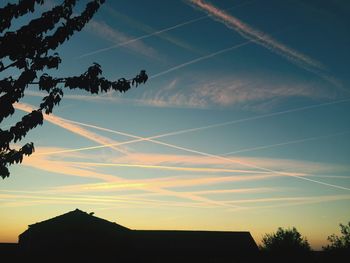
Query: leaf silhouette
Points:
[28, 49]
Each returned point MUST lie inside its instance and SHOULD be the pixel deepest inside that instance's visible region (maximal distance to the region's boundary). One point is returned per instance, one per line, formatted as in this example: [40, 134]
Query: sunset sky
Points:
[243, 124]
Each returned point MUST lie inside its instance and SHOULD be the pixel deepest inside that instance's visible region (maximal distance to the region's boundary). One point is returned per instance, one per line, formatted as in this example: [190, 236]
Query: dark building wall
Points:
[197, 245]
[80, 239]
[160, 246]
[9, 252]
[84, 236]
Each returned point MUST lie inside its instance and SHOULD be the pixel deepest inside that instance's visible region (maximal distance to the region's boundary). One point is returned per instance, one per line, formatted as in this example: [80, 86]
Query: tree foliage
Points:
[285, 241]
[30, 50]
[342, 242]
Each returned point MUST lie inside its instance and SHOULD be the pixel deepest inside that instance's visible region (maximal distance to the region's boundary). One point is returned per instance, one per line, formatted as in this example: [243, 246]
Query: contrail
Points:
[104, 141]
[186, 130]
[201, 58]
[154, 33]
[26, 108]
[73, 128]
[299, 201]
[74, 199]
[263, 39]
[165, 167]
[255, 35]
[287, 143]
[317, 72]
[142, 37]
[246, 164]
[167, 183]
[217, 191]
[307, 200]
[330, 176]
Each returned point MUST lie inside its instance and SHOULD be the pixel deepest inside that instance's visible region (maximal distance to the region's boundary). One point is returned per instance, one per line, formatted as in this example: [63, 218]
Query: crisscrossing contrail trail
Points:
[243, 163]
[201, 58]
[255, 35]
[313, 138]
[141, 37]
[188, 22]
[188, 130]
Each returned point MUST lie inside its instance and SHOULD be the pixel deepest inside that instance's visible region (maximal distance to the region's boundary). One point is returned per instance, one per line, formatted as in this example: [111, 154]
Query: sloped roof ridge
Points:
[77, 212]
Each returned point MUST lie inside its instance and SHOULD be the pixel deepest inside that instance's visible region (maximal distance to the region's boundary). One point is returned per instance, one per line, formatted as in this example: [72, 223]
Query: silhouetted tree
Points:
[286, 244]
[30, 50]
[340, 243]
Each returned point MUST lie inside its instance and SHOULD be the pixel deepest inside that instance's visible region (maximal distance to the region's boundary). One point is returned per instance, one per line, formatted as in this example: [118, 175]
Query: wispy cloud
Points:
[234, 203]
[236, 191]
[196, 166]
[45, 163]
[108, 97]
[115, 36]
[184, 163]
[283, 202]
[161, 159]
[169, 183]
[296, 201]
[151, 32]
[166, 167]
[263, 147]
[240, 162]
[301, 168]
[110, 181]
[224, 92]
[193, 61]
[61, 122]
[153, 185]
[75, 127]
[121, 40]
[257, 36]
[247, 92]
[11, 200]
[160, 186]
[266, 41]
[161, 33]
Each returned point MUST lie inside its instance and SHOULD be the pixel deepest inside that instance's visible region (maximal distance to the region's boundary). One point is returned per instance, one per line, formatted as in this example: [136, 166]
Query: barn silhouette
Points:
[78, 236]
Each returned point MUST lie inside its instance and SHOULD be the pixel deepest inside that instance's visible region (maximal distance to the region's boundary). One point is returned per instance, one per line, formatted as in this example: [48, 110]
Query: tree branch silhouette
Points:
[28, 50]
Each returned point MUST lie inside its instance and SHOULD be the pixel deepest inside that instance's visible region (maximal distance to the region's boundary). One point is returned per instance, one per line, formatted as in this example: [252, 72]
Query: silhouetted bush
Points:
[339, 242]
[29, 50]
[339, 247]
[286, 245]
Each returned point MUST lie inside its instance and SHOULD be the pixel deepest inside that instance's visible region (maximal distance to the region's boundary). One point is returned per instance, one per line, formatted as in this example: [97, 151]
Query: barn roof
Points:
[77, 217]
[75, 221]
[81, 226]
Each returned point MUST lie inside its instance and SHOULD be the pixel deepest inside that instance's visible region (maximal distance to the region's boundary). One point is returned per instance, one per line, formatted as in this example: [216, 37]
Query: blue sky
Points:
[255, 96]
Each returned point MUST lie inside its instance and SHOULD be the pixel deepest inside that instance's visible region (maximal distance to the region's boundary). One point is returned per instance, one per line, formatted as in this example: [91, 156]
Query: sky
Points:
[243, 124]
